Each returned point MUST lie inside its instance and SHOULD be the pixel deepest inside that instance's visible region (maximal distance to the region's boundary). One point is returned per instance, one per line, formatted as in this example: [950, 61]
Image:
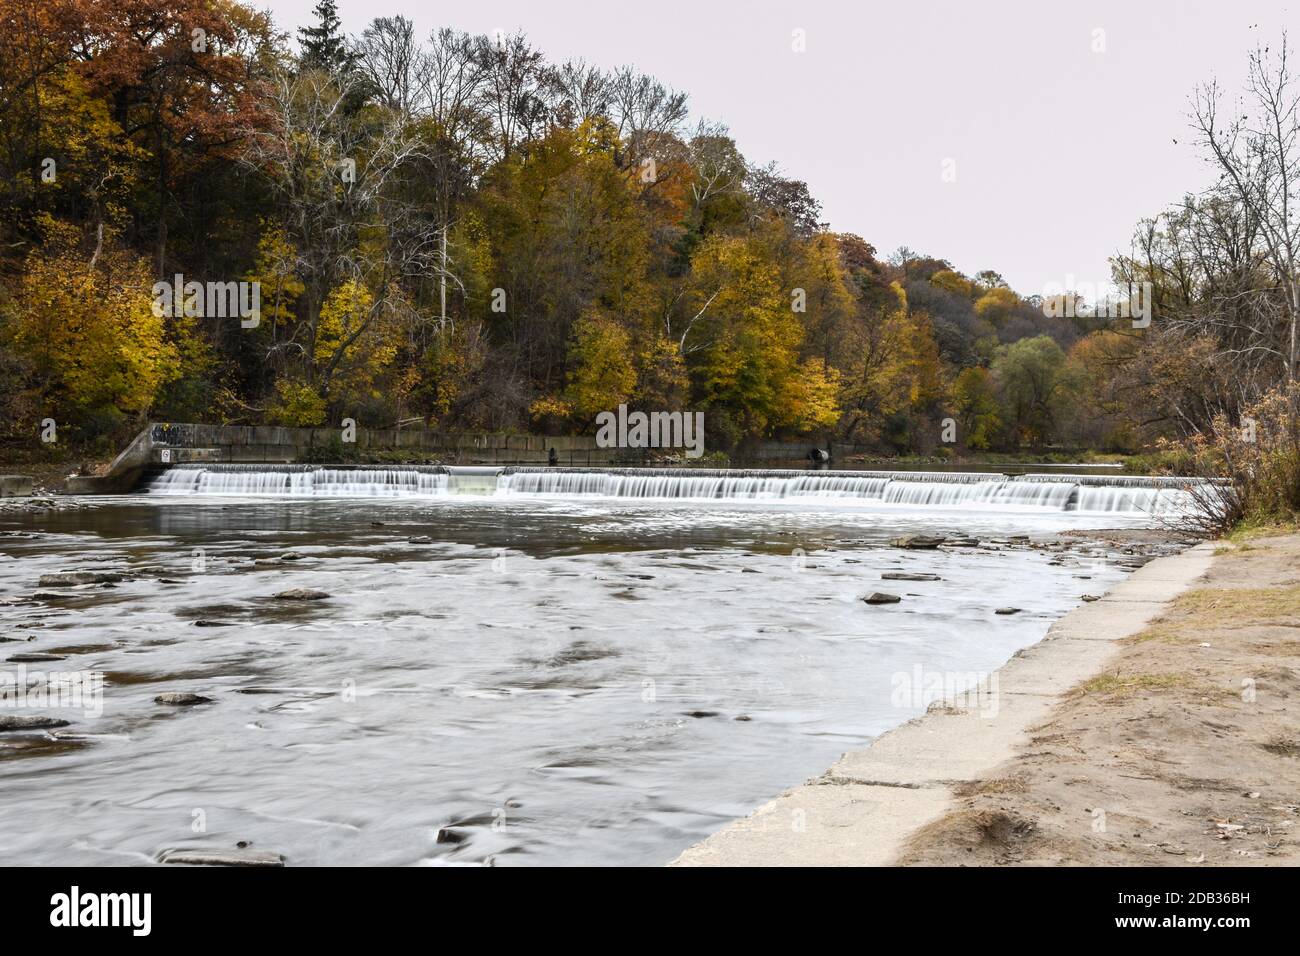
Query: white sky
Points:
[1058, 150]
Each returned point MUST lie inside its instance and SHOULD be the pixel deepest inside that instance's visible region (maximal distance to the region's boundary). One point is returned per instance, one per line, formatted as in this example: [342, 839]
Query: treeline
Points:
[453, 229]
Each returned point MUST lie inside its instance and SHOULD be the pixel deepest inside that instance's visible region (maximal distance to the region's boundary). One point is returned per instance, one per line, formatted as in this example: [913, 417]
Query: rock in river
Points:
[181, 699]
[29, 722]
[239, 857]
[301, 594]
[909, 576]
[67, 578]
[914, 541]
[1007, 610]
[880, 597]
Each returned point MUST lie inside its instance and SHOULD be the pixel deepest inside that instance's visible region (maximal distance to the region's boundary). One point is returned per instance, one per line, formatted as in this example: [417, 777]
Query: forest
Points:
[457, 231]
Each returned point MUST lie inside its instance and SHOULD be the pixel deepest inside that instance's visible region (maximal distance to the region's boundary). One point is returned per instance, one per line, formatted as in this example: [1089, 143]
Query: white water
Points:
[1132, 495]
[301, 482]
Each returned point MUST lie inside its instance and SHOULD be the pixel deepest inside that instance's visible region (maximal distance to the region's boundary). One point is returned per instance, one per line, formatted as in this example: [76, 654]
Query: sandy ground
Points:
[1185, 751]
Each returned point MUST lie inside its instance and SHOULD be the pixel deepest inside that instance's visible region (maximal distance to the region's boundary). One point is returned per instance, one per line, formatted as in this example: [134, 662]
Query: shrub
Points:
[1252, 467]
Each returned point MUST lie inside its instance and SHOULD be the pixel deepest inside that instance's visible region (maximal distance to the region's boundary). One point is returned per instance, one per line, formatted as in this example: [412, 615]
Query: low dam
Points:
[1084, 493]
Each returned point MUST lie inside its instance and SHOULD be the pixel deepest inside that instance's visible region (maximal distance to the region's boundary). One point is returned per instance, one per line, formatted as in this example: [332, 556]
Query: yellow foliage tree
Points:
[602, 373]
[297, 403]
[87, 325]
[954, 282]
[275, 271]
[356, 342]
[749, 337]
[899, 370]
[996, 305]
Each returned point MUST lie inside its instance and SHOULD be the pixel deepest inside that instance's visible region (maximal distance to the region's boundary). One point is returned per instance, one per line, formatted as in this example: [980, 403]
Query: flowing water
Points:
[563, 667]
[1084, 493]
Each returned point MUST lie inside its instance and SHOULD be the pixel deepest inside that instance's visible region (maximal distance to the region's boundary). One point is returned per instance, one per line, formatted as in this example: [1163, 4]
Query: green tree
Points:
[976, 403]
[1029, 377]
[324, 45]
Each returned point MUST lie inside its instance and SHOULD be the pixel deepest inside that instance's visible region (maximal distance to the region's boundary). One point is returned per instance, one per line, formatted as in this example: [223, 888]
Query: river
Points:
[542, 678]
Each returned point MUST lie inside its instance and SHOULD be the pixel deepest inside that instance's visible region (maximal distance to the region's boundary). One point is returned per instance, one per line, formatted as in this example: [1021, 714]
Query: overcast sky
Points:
[1057, 149]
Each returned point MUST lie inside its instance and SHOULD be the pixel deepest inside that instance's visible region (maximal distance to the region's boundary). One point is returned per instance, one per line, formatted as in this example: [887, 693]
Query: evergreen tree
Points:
[324, 47]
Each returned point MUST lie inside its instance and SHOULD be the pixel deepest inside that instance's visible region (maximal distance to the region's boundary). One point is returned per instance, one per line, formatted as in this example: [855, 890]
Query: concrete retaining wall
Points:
[173, 443]
[15, 486]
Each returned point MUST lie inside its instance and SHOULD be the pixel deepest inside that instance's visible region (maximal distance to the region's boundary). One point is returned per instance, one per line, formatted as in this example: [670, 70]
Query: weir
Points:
[978, 490]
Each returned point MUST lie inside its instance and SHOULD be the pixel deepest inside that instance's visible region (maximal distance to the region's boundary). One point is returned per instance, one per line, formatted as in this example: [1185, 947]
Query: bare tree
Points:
[579, 91]
[511, 92]
[719, 167]
[390, 58]
[1257, 150]
[647, 115]
[453, 76]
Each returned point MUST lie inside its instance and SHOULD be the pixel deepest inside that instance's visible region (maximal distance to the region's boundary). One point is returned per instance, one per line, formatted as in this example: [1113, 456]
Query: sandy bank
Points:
[1182, 751]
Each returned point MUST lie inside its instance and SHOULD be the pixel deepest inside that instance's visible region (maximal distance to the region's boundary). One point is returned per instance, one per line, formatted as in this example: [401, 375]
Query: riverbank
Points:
[1182, 751]
[936, 788]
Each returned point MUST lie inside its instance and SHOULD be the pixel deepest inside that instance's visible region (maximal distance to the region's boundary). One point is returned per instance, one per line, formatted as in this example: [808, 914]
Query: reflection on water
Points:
[559, 681]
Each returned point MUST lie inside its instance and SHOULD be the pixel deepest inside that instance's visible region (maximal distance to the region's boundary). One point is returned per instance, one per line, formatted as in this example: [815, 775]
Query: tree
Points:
[340, 178]
[511, 92]
[324, 46]
[742, 344]
[183, 80]
[997, 305]
[1258, 155]
[88, 328]
[602, 375]
[1029, 380]
[976, 402]
[788, 199]
[393, 64]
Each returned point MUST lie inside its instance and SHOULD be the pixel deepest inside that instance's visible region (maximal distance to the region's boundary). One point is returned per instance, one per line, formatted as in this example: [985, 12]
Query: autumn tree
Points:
[97, 351]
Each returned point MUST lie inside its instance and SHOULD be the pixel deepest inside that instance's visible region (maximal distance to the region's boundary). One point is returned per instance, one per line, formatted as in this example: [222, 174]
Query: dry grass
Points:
[1231, 608]
[1112, 685]
[996, 785]
[1227, 605]
[1283, 746]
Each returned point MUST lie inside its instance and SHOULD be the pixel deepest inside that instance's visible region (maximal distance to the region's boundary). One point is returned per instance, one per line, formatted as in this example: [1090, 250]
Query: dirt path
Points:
[1185, 750]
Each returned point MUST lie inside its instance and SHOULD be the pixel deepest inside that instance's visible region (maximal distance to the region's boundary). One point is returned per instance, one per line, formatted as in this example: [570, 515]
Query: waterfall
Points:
[1155, 495]
[300, 481]
[1106, 494]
